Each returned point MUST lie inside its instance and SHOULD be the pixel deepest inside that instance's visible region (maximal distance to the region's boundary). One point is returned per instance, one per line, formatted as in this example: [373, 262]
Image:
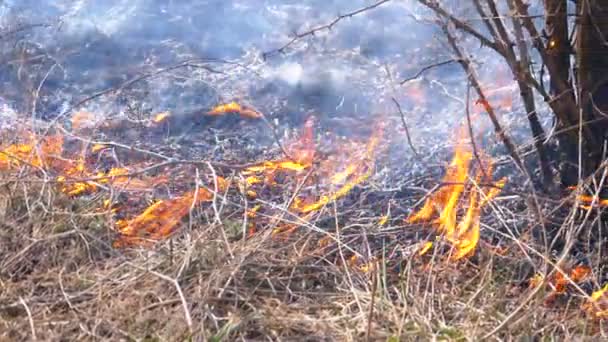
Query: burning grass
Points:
[306, 244]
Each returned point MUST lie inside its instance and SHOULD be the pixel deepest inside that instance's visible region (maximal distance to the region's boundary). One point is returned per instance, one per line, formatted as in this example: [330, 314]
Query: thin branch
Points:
[427, 68]
[506, 41]
[407, 131]
[22, 28]
[461, 25]
[471, 135]
[324, 27]
[466, 65]
[29, 317]
[485, 18]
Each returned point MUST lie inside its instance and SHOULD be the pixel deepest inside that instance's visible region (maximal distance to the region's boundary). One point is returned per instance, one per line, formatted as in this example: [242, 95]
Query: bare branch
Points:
[323, 27]
[470, 125]
[407, 131]
[486, 18]
[427, 68]
[466, 65]
[461, 25]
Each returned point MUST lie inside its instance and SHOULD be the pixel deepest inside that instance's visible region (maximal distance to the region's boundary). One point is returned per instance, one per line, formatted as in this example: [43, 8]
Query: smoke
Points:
[347, 76]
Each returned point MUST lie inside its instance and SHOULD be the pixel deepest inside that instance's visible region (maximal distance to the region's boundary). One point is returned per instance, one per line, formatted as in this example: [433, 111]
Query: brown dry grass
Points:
[60, 279]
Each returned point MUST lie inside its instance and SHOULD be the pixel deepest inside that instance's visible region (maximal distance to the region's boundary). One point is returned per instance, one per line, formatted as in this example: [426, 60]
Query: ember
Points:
[558, 282]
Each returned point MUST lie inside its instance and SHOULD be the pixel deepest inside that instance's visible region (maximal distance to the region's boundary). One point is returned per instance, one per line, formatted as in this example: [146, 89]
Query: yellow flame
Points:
[597, 304]
[383, 220]
[98, 147]
[234, 107]
[231, 107]
[354, 174]
[160, 117]
[425, 248]
[36, 152]
[446, 202]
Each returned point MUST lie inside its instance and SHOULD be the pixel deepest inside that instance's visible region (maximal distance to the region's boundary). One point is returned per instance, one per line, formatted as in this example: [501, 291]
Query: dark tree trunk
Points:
[558, 52]
[592, 75]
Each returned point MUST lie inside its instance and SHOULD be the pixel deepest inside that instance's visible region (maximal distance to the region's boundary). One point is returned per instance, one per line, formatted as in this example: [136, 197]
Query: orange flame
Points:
[31, 153]
[160, 219]
[77, 170]
[447, 201]
[236, 108]
[302, 151]
[587, 200]
[355, 173]
[558, 282]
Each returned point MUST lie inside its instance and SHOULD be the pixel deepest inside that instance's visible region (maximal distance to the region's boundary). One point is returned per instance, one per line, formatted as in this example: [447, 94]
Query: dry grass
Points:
[61, 279]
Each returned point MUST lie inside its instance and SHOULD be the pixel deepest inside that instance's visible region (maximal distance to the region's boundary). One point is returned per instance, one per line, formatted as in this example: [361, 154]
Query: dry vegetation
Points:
[303, 242]
[64, 277]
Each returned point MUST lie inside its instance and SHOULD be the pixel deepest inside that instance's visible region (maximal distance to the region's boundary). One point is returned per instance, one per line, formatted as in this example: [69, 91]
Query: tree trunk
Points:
[558, 51]
[592, 76]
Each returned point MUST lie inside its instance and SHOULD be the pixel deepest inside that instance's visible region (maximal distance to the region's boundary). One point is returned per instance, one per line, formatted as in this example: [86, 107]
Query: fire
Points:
[77, 179]
[463, 232]
[236, 108]
[252, 214]
[354, 173]
[77, 170]
[587, 200]
[160, 219]
[331, 178]
[120, 178]
[160, 117]
[98, 148]
[302, 152]
[558, 282]
[34, 152]
[358, 263]
[77, 174]
[597, 305]
[425, 247]
[383, 220]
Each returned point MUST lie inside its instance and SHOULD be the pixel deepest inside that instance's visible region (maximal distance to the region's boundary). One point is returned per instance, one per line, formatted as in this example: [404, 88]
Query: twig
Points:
[461, 25]
[187, 314]
[373, 302]
[329, 26]
[471, 135]
[427, 68]
[29, 317]
[5, 34]
[407, 131]
[466, 65]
